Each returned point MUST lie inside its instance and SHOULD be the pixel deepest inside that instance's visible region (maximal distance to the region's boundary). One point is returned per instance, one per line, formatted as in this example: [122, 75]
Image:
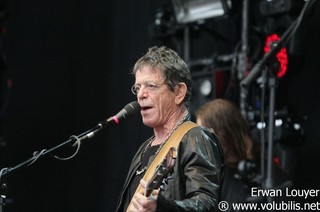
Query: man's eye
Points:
[137, 88]
[150, 86]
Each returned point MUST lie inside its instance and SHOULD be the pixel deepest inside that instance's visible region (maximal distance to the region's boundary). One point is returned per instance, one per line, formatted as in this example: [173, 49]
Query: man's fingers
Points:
[143, 183]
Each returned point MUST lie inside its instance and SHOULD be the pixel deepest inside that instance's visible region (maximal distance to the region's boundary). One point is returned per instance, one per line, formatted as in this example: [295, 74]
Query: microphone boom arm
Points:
[84, 136]
[128, 111]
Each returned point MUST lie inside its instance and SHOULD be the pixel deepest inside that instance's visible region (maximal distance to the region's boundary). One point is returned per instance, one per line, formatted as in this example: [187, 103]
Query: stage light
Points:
[187, 11]
[273, 7]
[206, 87]
[281, 56]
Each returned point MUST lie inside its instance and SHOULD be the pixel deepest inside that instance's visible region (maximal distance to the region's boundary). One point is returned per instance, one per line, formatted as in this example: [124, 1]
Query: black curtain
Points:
[69, 64]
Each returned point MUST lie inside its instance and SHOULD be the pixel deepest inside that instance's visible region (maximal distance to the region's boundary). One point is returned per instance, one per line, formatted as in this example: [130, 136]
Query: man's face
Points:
[156, 100]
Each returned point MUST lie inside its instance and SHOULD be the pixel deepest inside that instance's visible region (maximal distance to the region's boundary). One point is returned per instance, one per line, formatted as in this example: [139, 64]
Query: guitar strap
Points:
[173, 141]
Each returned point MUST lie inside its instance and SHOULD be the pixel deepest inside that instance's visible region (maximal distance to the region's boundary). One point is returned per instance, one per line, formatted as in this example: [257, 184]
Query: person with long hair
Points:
[241, 151]
[233, 130]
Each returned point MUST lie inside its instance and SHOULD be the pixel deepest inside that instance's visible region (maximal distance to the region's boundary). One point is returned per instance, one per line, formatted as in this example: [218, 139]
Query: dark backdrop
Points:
[67, 68]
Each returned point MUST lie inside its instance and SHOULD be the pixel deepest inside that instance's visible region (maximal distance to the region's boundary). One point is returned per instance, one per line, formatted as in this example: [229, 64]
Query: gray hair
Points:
[174, 68]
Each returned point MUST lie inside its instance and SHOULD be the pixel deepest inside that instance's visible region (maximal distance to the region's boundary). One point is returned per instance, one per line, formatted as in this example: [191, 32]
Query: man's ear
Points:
[180, 91]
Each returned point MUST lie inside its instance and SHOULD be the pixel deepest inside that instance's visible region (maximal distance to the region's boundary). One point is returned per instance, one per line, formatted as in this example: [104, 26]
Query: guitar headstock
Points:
[162, 171]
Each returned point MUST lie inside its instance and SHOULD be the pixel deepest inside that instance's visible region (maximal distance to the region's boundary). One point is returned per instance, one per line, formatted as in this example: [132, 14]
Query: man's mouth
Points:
[145, 108]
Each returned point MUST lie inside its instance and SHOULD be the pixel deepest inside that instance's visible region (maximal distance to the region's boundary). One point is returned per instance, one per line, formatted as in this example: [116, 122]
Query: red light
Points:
[276, 161]
[281, 55]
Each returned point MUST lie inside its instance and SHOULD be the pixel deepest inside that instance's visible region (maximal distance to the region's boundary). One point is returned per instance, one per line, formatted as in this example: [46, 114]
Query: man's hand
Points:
[142, 203]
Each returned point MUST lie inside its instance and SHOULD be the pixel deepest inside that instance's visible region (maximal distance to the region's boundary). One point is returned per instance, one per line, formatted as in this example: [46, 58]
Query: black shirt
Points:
[146, 160]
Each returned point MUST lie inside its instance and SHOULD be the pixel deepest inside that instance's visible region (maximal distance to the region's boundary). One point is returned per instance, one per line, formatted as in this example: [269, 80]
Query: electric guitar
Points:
[161, 172]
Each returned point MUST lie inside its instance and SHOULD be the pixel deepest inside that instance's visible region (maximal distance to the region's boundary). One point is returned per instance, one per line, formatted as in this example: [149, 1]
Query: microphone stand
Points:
[77, 139]
[2, 195]
[256, 70]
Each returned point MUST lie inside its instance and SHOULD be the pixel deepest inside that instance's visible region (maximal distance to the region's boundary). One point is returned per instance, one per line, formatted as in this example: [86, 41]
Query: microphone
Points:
[128, 111]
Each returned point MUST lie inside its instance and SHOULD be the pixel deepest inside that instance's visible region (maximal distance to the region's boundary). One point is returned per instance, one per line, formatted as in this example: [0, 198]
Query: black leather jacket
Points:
[195, 184]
